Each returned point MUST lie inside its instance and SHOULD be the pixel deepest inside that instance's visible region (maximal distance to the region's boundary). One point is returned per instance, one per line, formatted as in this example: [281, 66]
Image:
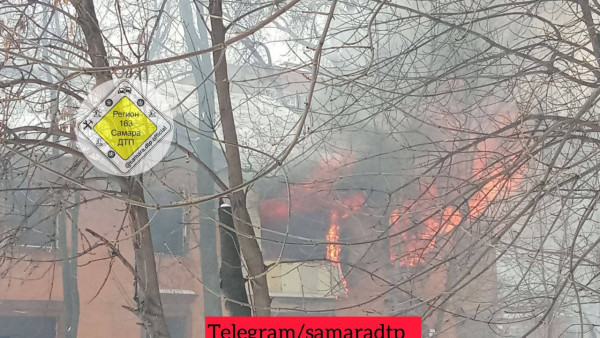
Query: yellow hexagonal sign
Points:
[125, 128]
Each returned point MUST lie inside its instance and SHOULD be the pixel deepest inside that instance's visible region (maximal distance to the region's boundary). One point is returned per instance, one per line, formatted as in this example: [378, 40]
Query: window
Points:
[25, 326]
[168, 230]
[306, 226]
[272, 93]
[301, 100]
[290, 100]
[28, 215]
[177, 326]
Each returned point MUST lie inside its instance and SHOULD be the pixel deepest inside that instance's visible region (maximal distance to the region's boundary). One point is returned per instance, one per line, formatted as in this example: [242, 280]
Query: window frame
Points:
[35, 308]
[177, 303]
[150, 193]
[24, 187]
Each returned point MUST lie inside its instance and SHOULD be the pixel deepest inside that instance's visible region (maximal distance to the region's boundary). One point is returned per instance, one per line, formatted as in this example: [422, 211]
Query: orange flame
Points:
[333, 237]
[334, 248]
[315, 195]
[499, 185]
[412, 238]
[450, 219]
[411, 242]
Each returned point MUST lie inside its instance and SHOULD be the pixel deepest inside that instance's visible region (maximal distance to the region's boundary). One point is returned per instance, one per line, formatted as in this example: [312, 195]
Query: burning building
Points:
[338, 235]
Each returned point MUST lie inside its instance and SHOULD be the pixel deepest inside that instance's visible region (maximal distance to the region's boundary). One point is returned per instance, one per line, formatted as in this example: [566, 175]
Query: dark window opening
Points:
[29, 327]
[303, 228]
[28, 218]
[177, 326]
[166, 225]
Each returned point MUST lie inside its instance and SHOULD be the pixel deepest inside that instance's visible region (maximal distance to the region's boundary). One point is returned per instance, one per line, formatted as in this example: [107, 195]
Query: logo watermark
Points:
[124, 127]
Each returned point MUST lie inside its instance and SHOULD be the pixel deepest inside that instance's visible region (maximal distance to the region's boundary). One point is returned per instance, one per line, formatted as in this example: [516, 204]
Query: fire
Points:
[415, 226]
[334, 248]
[333, 237]
[451, 218]
[412, 239]
[316, 200]
[499, 186]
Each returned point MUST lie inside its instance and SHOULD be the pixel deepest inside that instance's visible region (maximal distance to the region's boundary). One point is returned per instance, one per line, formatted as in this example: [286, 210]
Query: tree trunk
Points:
[147, 291]
[197, 38]
[87, 20]
[233, 283]
[253, 258]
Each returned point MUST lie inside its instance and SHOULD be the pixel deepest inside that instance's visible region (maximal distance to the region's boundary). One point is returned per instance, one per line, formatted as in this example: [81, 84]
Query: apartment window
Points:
[26, 326]
[272, 93]
[304, 228]
[177, 326]
[28, 215]
[301, 100]
[290, 100]
[166, 225]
